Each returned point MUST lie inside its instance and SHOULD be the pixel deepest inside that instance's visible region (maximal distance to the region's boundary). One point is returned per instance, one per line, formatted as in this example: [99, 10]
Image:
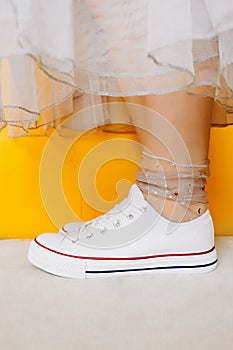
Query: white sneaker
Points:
[132, 238]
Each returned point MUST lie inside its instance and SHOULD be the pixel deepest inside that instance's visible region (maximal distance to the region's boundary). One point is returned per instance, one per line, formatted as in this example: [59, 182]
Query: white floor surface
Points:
[45, 312]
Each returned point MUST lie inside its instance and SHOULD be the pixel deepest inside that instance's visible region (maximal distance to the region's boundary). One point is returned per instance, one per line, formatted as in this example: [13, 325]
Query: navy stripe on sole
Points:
[154, 268]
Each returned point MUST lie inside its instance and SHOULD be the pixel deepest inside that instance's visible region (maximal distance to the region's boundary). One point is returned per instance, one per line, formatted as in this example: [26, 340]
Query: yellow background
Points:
[23, 214]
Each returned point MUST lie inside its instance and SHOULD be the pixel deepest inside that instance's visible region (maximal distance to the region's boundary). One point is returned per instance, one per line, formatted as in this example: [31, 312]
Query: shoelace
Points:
[118, 209]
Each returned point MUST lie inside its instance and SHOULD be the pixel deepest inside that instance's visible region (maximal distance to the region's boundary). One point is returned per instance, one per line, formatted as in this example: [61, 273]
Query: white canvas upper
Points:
[132, 230]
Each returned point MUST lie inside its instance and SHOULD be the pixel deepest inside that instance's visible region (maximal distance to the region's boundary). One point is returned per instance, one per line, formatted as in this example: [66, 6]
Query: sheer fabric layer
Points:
[51, 49]
[183, 184]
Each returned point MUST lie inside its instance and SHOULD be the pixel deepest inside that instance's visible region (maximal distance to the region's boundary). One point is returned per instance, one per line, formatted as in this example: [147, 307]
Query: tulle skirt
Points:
[59, 56]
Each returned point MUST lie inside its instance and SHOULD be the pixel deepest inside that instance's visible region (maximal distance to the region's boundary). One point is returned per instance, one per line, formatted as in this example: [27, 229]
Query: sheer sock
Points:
[176, 190]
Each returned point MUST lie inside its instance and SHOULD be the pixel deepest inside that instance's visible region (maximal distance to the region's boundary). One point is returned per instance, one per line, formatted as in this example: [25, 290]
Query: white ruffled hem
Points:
[56, 52]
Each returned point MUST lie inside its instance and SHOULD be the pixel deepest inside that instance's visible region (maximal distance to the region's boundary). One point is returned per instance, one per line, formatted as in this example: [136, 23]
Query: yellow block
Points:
[24, 215]
[220, 183]
[22, 210]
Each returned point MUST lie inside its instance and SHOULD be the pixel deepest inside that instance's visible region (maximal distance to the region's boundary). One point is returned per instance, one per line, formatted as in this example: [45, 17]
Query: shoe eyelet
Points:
[143, 209]
[117, 223]
[89, 236]
[130, 216]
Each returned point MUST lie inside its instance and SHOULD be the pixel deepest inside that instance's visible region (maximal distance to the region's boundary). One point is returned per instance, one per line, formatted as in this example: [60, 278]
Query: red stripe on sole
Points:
[129, 258]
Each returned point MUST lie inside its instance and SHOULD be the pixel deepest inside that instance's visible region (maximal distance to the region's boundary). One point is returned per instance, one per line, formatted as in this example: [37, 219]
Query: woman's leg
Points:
[190, 116]
[133, 238]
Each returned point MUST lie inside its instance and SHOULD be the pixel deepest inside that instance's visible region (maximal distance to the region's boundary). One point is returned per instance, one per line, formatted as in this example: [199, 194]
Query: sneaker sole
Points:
[70, 266]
